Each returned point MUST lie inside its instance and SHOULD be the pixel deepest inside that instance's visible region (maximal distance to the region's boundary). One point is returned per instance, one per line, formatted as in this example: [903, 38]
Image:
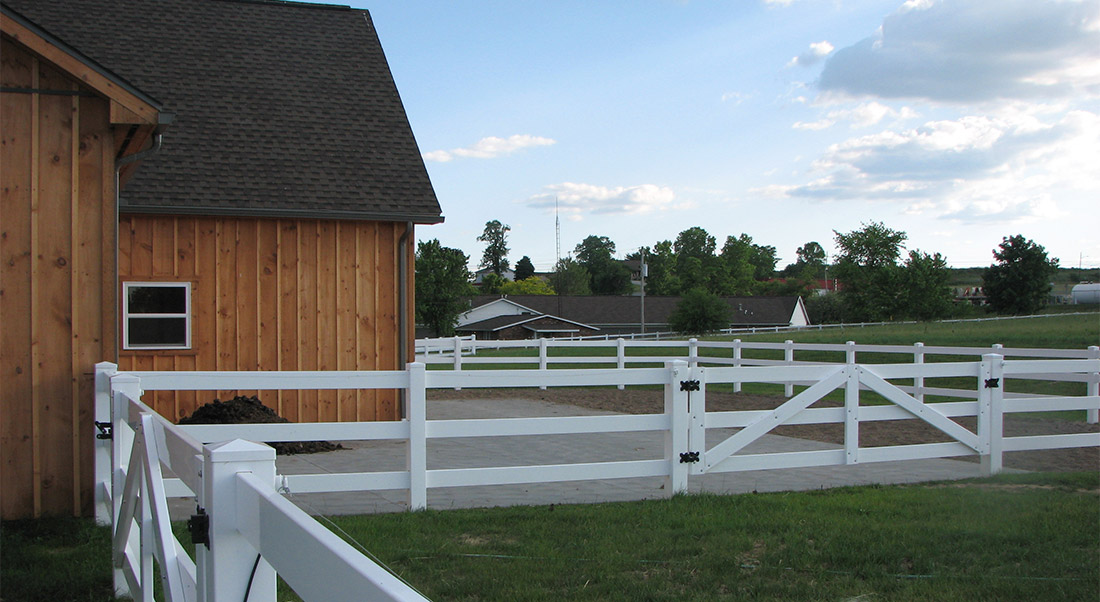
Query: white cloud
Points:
[576, 199]
[863, 115]
[972, 51]
[815, 54]
[1014, 165]
[734, 97]
[489, 148]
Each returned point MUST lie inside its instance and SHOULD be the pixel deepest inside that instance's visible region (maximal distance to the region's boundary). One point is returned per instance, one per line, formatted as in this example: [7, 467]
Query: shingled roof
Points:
[281, 109]
[608, 312]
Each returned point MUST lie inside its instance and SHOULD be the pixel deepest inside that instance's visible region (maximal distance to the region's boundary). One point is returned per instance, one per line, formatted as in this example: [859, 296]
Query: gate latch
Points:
[689, 457]
[992, 383]
[689, 385]
[105, 430]
[199, 527]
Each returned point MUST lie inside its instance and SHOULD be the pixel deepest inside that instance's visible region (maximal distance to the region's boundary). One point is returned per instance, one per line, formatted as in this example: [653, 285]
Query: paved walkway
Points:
[366, 456]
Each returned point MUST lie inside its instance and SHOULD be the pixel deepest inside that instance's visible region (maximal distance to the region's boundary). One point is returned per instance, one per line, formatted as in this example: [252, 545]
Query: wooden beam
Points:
[79, 69]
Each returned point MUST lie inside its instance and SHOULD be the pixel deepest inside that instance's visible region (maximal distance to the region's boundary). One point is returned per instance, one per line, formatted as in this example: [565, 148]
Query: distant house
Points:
[270, 225]
[621, 315]
[507, 274]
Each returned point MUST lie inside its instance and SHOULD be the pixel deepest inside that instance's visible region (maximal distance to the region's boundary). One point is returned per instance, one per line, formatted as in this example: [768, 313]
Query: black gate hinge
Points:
[689, 385]
[689, 457]
[105, 430]
[992, 383]
[199, 527]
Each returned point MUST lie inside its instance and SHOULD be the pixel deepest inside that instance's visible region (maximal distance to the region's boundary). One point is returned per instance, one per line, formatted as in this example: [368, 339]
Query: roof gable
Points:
[282, 109]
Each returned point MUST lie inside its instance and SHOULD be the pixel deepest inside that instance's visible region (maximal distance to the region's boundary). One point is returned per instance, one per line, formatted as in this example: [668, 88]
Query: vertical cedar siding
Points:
[56, 238]
[274, 294]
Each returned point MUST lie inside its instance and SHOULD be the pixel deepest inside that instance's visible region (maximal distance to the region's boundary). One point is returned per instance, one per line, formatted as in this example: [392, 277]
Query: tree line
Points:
[878, 280]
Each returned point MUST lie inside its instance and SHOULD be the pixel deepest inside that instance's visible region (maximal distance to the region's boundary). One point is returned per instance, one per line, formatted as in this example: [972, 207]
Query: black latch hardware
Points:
[689, 457]
[105, 430]
[689, 385]
[199, 527]
[992, 383]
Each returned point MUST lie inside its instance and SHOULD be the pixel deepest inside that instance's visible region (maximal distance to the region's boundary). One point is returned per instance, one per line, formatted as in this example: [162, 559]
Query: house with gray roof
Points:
[623, 314]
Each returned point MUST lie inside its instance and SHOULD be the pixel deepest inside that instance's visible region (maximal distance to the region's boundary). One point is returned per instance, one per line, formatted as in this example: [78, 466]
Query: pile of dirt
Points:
[248, 410]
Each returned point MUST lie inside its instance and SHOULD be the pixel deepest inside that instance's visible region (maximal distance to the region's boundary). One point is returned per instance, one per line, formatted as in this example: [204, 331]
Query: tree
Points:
[735, 254]
[524, 268]
[492, 283]
[442, 286]
[495, 237]
[867, 267]
[925, 294]
[662, 278]
[606, 275]
[1020, 280]
[570, 278]
[811, 253]
[528, 286]
[698, 312]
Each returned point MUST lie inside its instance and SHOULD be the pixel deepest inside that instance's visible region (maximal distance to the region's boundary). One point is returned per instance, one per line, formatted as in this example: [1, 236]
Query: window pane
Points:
[145, 332]
[157, 299]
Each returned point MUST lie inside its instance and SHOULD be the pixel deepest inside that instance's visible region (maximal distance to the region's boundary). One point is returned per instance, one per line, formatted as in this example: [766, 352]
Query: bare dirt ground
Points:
[871, 434]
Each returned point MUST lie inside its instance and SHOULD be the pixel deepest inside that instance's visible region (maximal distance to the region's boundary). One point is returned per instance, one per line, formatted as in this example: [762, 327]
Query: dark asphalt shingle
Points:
[282, 109]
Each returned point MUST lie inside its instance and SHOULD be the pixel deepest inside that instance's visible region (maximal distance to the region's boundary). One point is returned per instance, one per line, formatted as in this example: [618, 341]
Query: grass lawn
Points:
[1022, 537]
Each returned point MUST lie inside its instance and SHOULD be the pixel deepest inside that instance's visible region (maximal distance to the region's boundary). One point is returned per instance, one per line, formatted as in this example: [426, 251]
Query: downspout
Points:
[120, 162]
[403, 296]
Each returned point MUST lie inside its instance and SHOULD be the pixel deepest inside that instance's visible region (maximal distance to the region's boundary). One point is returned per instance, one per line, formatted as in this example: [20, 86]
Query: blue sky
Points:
[959, 122]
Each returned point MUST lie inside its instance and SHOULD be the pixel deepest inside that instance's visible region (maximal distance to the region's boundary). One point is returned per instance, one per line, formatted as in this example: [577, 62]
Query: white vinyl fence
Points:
[252, 529]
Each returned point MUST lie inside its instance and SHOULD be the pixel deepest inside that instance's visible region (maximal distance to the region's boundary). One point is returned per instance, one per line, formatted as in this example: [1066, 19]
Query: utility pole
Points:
[645, 268]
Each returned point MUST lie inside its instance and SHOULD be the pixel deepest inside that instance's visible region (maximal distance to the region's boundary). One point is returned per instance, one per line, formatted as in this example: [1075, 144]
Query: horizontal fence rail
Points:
[153, 459]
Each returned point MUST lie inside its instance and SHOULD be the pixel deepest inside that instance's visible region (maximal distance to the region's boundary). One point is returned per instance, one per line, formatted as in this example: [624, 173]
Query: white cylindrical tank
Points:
[1086, 292]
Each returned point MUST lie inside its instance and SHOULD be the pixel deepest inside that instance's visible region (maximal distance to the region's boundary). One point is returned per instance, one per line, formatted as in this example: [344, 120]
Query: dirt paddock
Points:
[871, 434]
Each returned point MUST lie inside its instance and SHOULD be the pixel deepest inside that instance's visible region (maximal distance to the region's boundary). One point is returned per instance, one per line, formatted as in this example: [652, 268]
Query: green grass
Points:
[1017, 537]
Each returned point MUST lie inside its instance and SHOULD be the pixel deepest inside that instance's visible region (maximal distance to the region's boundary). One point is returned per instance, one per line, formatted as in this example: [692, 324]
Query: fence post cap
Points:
[238, 450]
[124, 378]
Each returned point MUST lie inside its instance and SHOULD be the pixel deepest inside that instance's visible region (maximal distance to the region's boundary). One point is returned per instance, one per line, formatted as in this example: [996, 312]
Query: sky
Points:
[959, 122]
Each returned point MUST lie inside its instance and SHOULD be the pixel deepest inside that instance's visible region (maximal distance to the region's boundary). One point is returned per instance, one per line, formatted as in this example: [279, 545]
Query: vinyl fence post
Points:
[851, 414]
[122, 445]
[676, 437]
[693, 352]
[918, 381]
[457, 357]
[416, 452]
[543, 353]
[788, 359]
[224, 568]
[991, 412]
[103, 493]
[737, 363]
[1092, 389]
[850, 352]
[620, 356]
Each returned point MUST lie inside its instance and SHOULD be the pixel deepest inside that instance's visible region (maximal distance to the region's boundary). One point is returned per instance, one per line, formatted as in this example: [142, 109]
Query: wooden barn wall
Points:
[271, 294]
[56, 238]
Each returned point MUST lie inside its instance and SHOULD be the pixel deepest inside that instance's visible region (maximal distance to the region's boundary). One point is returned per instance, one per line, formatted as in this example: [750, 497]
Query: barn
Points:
[194, 185]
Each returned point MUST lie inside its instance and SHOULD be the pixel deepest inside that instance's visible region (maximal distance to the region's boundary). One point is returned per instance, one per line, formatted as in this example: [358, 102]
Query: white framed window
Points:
[156, 315]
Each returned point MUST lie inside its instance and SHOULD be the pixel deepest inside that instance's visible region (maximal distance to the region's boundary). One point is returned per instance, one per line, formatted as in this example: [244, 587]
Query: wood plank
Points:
[328, 353]
[204, 300]
[53, 275]
[93, 301]
[268, 302]
[225, 342]
[308, 240]
[162, 242]
[386, 319]
[365, 304]
[347, 265]
[247, 302]
[186, 267]
[287, 315]
[16, 448]
[141, 248]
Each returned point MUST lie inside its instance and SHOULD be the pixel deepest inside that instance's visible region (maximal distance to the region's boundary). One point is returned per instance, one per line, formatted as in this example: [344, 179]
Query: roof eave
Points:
[283, 213]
